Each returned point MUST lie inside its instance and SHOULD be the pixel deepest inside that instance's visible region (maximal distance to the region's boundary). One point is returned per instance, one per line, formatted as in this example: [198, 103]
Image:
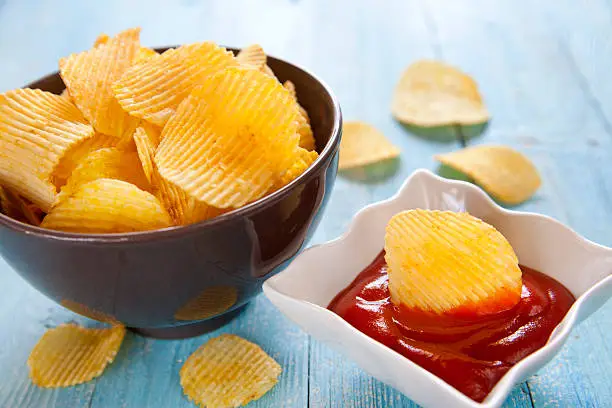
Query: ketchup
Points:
[471, 353]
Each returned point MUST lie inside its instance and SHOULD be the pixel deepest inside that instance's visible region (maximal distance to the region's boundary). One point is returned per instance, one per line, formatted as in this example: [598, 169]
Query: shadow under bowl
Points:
[183, 281]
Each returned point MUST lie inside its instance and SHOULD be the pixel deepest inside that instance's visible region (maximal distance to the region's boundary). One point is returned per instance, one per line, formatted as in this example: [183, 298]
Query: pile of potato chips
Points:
[433, 94]
[141, 141]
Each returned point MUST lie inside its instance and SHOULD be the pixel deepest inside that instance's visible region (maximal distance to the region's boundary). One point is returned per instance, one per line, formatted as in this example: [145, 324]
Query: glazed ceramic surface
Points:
[159, 280]
[303, 291]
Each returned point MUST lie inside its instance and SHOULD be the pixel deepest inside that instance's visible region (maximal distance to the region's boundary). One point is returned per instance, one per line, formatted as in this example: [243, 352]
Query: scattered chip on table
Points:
[506, 174]
[432, 93]
[70, 354]
[228, 371]
[448, 262]
[362, 144]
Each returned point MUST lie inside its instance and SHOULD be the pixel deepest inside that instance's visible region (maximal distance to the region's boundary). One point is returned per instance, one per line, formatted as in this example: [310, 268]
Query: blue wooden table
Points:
[545, 69]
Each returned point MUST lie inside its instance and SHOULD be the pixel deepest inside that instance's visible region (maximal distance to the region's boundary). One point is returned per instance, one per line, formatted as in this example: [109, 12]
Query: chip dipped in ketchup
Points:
[471, 353]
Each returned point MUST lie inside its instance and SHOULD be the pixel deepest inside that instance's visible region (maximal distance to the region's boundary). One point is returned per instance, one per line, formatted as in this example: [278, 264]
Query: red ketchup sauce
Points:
[469, 353]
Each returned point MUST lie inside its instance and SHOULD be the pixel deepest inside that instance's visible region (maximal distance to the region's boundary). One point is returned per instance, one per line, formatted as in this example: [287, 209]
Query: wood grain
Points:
[543, 68]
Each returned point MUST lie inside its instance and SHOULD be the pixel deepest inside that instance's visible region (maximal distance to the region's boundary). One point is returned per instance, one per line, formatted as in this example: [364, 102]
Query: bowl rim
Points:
[174, 231]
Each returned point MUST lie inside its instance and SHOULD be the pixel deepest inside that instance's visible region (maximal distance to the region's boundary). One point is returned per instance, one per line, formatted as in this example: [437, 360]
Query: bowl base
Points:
[188, 330]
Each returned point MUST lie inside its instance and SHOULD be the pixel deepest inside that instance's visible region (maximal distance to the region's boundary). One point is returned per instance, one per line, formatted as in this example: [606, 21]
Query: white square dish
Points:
[303, 290]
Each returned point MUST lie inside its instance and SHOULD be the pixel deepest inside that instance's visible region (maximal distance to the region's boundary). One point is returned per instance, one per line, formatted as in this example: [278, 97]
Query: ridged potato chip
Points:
[303, 160]
[101, 40]
[252, 56]
[37, 129]
[76, 153]
[431, 93]
[210, 302]
[450, 263]
[107, 163]
[89, 77]
[69, 354]
[144, 53]
[107, 206]
[228, 371]
[307, 140]
[506, 174]
[66, 94]
[230, 140]
[153, 89]
[363, 144]
[182, 208]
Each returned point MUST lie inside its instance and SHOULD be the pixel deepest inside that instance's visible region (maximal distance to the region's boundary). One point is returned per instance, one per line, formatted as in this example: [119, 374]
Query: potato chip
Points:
[363, 144]
[268, 71]
[101, 40]
[69, 354]
[147, 140]
[503, 172]
[307, 140]
[89, 312]
[153, 89]
[66, 94]
[144, 53]
[228, 371]
[252, 56]
[107, 206]
[37, 129]
[432, 93]
[76, 153]
[212, 301]
[89, 77]
[453, 263]
[230, 140]
[303, 160]
[182, 208]
[108, 163]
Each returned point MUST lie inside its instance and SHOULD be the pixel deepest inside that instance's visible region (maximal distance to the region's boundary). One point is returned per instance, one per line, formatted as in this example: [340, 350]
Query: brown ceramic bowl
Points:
[183, 281]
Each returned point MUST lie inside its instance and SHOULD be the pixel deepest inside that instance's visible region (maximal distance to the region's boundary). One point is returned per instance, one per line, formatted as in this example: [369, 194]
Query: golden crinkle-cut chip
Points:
[231, 139]
[252, 56]
[107, 206]
[450, 263]
[303, 160]
[37, 129]
[143, 54]
[228, 371]
[89, 77]
[307, 140]
[101, 40]
[210, 302]
[362, 144]
[431, 93]
[70, 354]
[182, 208]
[153, 89]
[108, 163]
[76, 153]
[503, 172]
